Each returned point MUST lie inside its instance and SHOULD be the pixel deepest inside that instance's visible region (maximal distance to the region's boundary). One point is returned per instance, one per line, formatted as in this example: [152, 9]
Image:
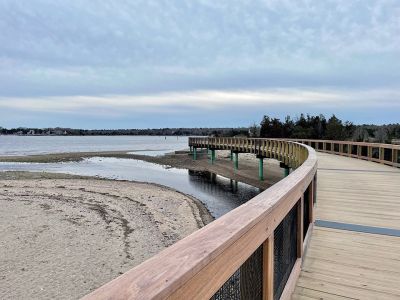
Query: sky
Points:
[196, 63]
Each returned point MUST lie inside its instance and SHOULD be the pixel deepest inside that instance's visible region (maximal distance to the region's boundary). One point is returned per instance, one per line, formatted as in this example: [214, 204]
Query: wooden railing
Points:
[233, 257]
[388, 154]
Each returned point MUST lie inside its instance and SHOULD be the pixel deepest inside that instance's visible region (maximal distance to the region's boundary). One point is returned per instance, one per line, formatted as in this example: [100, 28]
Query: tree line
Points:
[157, 131]
[318, 127]
[302, 127]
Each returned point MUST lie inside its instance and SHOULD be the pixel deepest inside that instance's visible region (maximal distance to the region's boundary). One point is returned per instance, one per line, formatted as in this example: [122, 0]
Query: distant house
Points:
[31, 132]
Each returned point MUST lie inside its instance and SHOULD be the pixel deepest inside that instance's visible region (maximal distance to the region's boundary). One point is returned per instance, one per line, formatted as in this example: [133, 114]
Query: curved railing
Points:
[388, 154]
[252, 252]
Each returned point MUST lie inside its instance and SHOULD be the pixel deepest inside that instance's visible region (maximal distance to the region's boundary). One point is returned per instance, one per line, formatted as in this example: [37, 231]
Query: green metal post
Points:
[194, 153]
[231, 155]
[261, 168]
[236, 160]
[287, 171]
[212, 156]
[234, 185]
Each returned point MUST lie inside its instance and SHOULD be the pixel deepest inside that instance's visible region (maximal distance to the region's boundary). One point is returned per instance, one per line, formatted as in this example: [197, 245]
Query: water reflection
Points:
[218, 193]
[226, 190]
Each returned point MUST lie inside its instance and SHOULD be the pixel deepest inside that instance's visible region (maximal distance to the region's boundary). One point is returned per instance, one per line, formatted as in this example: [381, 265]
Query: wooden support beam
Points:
[268, 268]
[394, 158]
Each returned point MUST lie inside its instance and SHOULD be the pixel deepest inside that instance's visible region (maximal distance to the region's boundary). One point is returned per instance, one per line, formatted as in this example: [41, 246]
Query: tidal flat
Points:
[62, 238]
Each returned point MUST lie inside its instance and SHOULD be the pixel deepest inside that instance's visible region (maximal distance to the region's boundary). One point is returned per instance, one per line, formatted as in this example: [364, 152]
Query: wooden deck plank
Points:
[358, 197]
[342, 264]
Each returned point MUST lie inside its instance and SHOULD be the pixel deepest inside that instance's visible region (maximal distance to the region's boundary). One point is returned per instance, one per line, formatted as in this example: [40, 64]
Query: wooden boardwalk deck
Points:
[345, 264]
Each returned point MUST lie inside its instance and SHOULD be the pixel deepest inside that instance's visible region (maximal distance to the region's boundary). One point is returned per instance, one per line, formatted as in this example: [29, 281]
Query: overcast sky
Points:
[127, 64]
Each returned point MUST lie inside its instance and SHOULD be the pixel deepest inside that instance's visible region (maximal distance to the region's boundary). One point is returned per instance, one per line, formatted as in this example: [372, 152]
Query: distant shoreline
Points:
[57, 131]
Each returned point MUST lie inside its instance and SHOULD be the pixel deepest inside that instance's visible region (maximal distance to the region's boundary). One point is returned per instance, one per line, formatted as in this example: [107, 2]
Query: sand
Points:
[62, 238]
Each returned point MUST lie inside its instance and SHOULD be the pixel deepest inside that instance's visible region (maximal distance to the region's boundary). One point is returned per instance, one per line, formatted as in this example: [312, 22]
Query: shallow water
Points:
[219, 194]
[148, 145]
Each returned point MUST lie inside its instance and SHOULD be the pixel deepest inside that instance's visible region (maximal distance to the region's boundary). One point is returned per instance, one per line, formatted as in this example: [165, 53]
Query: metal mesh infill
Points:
[246, 283]
[306, 210]
[285, 251]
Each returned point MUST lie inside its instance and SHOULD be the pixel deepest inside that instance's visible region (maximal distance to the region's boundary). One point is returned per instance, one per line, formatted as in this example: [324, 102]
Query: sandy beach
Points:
[62, 238]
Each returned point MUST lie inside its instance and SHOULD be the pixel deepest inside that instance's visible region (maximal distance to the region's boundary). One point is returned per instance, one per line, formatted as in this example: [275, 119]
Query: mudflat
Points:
[61, 238]
[247, 173]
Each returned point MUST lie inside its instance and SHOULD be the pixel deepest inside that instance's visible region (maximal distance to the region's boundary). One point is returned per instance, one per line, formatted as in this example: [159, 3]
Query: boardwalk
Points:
[350, 264]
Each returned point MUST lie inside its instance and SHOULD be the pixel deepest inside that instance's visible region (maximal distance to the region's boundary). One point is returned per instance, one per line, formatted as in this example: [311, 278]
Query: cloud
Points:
[119, 58]
[60, 47]
[204, 100]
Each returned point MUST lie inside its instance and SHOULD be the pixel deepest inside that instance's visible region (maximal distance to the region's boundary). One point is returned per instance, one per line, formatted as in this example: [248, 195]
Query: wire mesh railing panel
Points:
[230, 289]
[354, 149]
[375, 152]
[336, 147]
[345, 148]
[246, 283]
[364, 151]
[285, 251]
[387, 154]
[328, 147]
[306, 211]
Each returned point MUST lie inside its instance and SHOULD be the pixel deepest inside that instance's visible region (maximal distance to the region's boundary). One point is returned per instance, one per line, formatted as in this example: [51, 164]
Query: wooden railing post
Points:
[268, 268]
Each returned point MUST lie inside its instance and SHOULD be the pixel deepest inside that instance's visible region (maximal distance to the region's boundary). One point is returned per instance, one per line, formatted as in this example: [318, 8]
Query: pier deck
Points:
[353, 262]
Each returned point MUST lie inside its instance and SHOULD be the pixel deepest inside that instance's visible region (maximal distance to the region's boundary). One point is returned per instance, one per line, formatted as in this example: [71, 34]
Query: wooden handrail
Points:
[387, 154]
[198, 265]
